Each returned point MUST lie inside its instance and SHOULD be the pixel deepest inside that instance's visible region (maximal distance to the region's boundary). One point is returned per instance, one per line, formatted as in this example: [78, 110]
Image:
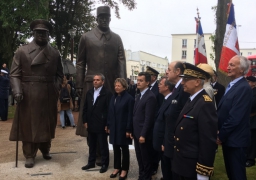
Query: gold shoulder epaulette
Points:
[207, 98]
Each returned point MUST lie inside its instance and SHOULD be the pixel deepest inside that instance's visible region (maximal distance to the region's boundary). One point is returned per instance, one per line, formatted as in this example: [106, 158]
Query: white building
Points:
[137, 61]
[247, 51]
[183, 46]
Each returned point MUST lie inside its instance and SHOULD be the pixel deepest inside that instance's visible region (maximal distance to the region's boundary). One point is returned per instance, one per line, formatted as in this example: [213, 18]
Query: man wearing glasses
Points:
[196, 129]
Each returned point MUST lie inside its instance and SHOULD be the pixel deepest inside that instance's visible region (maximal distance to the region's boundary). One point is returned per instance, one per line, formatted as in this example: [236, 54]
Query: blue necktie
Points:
[228, 88]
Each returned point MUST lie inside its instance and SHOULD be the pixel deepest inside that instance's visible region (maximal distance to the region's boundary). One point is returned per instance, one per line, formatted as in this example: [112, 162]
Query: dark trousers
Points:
[3, 109]
[251, 151]
[143, 155]
[156, 156]
[103, 143]
[121, 152]
[30, 149]
[186, 178]
[235, 159]
[166, 166]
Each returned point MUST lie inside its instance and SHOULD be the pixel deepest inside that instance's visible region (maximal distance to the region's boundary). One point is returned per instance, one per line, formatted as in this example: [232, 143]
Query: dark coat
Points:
[159, 126]
[253, 110]
[220, 92]
[120, 118]
[132, 90]
[37, 74]
[179, 98]
[234, 115]
[195, 137]
[4, 87]
[143, 115]
[100, 55]
[95, 115]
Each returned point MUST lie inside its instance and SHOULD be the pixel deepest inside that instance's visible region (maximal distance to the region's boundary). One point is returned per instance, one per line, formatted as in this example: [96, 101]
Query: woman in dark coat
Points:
[119, 127]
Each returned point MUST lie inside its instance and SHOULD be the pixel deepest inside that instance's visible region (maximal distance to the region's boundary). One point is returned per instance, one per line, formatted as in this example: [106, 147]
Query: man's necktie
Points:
[164, 101]
[228, 88]
[138, 98]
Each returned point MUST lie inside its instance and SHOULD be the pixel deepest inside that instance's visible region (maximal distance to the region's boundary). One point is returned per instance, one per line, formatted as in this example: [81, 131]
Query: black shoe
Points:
[74, 126]
[123, 178]
[114, 175]
[249, 164]
[63, 127]
[88, 166]
[98, 163]
[47, 156]
[103, 169]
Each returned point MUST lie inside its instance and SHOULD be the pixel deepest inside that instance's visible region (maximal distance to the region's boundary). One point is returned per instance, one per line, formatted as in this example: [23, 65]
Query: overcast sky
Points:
[149, 27]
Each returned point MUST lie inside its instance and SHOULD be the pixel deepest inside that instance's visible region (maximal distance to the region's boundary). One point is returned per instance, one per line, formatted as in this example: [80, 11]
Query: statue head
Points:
[41, 29]
[103, 17]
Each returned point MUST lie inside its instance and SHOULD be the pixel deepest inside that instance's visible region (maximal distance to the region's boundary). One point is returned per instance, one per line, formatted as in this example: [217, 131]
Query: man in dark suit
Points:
[219, 89]
[251, 151]
[234, 118]
[159, 97]
[95, 113]
[143, 121]
[196, 129]
[178, 100]
[165, 88]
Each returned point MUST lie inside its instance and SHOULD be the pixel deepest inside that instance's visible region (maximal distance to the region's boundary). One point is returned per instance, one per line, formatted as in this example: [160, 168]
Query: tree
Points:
[14, 18]
[221, 16]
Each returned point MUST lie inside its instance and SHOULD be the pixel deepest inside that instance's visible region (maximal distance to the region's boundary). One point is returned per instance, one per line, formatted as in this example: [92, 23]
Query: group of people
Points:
[178, 120]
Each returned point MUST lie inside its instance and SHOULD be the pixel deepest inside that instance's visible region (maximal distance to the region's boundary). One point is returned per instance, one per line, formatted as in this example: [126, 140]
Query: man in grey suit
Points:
[143, 121]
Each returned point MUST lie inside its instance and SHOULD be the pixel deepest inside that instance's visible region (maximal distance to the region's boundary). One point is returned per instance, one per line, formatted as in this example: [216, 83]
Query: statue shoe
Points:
[29, 162]
[47, 156]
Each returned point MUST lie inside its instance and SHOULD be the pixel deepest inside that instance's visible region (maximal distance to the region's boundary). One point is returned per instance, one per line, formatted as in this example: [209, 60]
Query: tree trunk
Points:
[221, 16]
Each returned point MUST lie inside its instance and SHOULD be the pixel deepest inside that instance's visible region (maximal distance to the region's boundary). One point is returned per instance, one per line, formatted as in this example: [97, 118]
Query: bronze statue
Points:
[36, 76]
[101, 51]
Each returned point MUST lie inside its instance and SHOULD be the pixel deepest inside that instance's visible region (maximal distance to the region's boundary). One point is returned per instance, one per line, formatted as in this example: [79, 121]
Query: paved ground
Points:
[69, 154]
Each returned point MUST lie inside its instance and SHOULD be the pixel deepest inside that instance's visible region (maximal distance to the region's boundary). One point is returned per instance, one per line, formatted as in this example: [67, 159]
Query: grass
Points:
[11, 112]
[220, 172]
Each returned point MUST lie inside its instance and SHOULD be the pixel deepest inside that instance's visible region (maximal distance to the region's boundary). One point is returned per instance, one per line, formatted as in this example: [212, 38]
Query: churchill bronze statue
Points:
[101, 51]
[36, 75]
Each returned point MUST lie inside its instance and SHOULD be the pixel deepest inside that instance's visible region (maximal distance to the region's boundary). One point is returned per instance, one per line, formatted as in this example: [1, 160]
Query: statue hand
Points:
[79, 92]
[18, 97]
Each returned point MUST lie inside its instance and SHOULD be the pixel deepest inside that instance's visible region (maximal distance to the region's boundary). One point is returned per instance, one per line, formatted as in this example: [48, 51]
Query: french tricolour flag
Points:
[200, 52]
[230, 43]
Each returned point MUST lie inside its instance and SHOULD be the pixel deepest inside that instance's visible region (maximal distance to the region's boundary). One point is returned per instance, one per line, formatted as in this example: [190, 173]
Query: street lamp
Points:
[72, 33]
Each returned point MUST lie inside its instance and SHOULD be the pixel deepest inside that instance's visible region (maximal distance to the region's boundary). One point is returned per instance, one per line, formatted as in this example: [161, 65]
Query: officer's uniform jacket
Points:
[195, 137]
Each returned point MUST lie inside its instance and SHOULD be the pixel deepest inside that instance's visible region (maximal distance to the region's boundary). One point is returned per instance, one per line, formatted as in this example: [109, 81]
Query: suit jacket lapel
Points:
[230, 91]
[141, 99]
[188, 107]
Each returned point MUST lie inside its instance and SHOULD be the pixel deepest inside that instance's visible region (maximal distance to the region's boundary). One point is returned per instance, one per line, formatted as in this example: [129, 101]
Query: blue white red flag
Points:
[230, 46]
[200, 51]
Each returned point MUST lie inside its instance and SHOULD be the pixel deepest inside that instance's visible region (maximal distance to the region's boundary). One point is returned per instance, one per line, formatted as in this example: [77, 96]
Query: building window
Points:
[194, 43]
[184, 55]
[158, 65]
[184, 43]
[142, 62]
[153, 64]
[148, 63]
[249, 53]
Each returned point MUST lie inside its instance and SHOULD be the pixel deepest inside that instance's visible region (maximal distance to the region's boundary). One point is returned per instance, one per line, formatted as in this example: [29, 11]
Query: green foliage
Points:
[15, 16]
